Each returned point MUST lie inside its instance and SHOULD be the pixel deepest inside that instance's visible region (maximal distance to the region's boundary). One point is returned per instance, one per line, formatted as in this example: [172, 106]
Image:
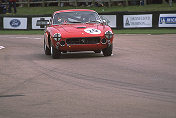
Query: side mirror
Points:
[105, 20]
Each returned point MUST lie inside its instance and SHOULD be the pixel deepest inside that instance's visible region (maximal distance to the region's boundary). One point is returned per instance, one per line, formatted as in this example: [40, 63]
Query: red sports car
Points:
[77, 30]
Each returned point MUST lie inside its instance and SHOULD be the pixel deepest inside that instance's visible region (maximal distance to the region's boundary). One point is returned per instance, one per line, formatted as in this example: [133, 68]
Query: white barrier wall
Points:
[35, 19]
[14, 23]
[117, 20]
[167, 20]
[137, 21]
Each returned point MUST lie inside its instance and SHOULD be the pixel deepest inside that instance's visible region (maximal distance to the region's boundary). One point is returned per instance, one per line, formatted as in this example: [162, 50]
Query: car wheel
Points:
[46, 49]
[97, 51]
[54, 52]
[107, 51]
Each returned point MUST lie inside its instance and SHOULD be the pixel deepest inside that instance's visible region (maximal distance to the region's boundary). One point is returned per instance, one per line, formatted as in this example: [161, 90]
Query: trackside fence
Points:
[118, 20]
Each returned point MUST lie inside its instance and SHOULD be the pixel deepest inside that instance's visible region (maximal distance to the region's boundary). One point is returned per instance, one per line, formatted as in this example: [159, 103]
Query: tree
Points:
[170, 3]
[145, 2]
[126, 1]
[164, 1]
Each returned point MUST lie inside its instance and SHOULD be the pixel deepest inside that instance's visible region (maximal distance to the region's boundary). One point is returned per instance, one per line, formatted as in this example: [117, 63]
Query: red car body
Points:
[71, 30]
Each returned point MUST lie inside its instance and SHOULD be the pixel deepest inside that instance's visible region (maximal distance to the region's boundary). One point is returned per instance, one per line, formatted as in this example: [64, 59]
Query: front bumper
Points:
[86, 47]
[82, 44]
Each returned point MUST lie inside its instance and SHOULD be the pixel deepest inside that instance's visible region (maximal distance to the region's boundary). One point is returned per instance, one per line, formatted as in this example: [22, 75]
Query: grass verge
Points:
[145, 31]
[123, 31]
[51, 9]
[21, 32]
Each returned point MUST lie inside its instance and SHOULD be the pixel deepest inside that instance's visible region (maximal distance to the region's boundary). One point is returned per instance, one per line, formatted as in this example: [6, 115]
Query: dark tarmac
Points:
[137, 81]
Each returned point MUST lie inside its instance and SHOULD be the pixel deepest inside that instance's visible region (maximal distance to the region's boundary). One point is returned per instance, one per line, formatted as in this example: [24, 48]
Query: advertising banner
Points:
[137, 21]
[167, 20]
[40, 20]
[112, 20]
[14, 23]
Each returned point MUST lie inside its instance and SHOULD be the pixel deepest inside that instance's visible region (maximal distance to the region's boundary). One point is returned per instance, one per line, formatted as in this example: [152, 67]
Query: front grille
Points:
[83, 40]
[62, 43]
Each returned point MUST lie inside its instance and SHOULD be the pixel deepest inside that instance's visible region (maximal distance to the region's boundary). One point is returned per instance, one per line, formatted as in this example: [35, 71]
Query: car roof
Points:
[71, 10]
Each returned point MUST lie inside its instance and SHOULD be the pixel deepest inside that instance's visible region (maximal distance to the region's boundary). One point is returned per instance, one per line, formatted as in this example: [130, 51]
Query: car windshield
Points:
[76, 17]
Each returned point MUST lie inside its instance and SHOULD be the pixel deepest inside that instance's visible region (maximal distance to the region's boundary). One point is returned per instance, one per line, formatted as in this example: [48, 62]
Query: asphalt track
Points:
[137, 81]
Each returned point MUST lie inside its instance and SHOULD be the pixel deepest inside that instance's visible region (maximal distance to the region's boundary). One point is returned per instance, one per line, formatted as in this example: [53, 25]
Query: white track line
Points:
[22, 37]
[1, 47]
[37, 38]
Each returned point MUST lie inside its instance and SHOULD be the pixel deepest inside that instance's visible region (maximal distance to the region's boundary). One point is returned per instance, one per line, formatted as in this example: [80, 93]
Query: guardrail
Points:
[118, 20]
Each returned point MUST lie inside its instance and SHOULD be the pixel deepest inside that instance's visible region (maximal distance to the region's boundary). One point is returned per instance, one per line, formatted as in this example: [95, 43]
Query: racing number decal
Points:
[92, 31]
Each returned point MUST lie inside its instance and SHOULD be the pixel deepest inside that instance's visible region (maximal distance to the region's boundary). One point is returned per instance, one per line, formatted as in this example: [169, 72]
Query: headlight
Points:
[108, 34]
[57, 36]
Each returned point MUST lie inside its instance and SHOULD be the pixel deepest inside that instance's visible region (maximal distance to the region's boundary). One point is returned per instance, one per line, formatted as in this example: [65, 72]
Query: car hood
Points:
[79, 30]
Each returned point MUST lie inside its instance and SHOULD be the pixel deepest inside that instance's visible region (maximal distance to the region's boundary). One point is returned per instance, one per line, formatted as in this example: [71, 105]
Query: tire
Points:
[97, 51]
[46, 49]
[107, 51]
[55, 54]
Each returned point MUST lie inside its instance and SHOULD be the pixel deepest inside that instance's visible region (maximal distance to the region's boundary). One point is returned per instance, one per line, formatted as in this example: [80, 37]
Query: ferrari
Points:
[77, 30]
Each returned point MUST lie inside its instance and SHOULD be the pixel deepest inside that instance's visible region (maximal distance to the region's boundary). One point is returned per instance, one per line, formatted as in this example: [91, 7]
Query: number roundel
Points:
[92, 31]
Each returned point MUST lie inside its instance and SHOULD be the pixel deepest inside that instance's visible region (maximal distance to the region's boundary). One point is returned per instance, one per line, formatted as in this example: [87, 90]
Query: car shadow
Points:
[80, 55]
[68, 55]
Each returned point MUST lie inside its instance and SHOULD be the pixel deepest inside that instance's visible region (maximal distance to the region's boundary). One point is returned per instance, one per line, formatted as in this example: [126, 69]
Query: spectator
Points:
[12, 3]
[142, 2]
[2, 7]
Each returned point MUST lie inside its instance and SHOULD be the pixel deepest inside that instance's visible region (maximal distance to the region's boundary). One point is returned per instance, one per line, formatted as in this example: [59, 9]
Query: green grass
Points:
[123, 31]
[51, 9]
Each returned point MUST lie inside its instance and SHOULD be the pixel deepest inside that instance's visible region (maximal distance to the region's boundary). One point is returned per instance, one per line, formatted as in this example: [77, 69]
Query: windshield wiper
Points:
[93, 21]
[75, 22]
